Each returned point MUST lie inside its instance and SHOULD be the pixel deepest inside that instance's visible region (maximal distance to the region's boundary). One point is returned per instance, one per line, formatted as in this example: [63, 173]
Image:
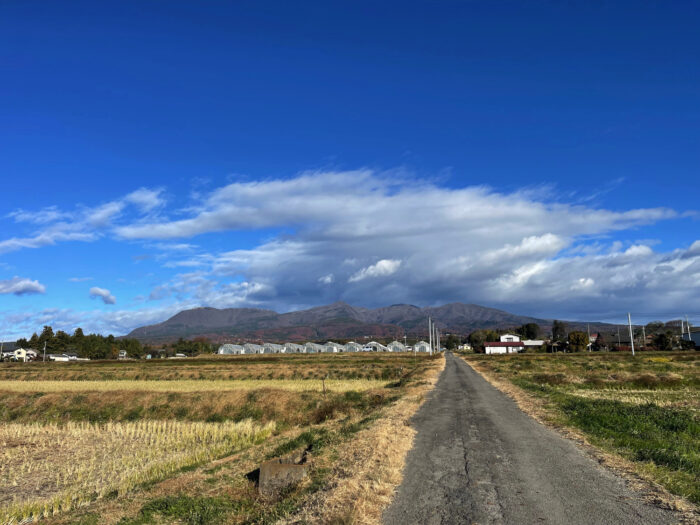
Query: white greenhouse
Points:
[353, 347]
[293, 348]
[333, 348]
[396, 346]
[374, 346]
[421, 346]
[272, 348]
[313, 348]
[229, 349]
[251, 348]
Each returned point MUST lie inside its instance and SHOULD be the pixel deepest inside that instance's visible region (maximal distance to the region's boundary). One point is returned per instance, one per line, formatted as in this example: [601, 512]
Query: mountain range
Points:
[335, 321]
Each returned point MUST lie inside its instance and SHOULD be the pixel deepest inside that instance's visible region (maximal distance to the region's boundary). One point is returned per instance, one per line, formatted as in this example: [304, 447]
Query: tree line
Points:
[96, 346]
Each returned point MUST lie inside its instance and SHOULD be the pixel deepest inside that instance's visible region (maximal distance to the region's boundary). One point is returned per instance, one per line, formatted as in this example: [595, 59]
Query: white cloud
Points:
[326, 279]
[376, 238]
[102, 293]
[146, 199]
[382, 268]
[79, 279]
[21, 286]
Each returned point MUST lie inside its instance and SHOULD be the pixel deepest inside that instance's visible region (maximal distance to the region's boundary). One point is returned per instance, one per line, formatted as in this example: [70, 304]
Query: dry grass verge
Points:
[364, 477]
[634, 473]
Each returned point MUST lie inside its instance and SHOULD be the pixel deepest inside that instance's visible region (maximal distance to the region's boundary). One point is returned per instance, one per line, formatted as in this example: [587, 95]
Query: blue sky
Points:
[537, 157]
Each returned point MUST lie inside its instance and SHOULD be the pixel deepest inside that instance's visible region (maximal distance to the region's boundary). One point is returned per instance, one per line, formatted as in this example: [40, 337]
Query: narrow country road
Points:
[478, 459]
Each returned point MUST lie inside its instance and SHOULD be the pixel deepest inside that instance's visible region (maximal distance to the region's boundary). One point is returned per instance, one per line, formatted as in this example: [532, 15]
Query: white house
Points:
[229, 349]
[24, 354]
[421, 346]
[396, 346]
[510, 338]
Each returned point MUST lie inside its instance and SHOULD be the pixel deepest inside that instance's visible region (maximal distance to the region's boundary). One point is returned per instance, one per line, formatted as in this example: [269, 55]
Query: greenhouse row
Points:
[315, 348]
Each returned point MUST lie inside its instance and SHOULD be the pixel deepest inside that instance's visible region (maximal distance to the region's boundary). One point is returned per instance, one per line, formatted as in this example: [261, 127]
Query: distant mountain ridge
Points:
[334, 321]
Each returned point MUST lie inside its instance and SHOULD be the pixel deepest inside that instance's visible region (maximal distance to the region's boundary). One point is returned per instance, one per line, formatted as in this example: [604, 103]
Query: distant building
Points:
[24, 355]
[533, 343]
[504, 347]
[694, 337]
[510, 338]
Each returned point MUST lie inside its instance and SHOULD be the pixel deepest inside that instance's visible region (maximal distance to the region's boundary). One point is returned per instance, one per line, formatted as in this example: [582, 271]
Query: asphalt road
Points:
[478, 459]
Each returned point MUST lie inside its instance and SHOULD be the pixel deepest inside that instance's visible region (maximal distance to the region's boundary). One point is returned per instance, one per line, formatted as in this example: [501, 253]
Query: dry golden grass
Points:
[364, 478]
[295, 385]
[46, 469]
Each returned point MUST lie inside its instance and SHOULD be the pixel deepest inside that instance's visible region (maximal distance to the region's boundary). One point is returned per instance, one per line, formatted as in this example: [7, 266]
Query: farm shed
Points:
[229, 349]
[396, 346]
[503, 347]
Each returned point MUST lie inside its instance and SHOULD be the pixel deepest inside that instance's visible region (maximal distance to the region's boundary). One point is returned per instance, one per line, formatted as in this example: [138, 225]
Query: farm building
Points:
[353, 347]
[504, 347]
[272, 348]
[333, 348]
[421, 346]
[533, 343]
[694, 337]
[313, 348]
[396, 346]
[229, 349]
[293, 348]
[374, 346]
[251, 348]
[510, 338]
[24, 354]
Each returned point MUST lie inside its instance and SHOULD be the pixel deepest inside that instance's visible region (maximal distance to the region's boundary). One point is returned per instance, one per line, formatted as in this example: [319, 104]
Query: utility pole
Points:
[618, 336]
[629, 320]
[687, 327]
[644, 337]
[44, 351]
[430, 335]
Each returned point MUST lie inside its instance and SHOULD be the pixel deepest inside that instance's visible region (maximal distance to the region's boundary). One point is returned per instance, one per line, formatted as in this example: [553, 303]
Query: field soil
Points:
[478, 458]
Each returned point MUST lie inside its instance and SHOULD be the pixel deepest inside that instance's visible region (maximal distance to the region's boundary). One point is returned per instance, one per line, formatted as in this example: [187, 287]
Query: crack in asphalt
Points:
[478, 459]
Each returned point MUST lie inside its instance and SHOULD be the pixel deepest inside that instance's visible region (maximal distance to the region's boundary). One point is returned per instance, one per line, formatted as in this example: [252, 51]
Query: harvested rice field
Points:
[203, 385]
[172, 441]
